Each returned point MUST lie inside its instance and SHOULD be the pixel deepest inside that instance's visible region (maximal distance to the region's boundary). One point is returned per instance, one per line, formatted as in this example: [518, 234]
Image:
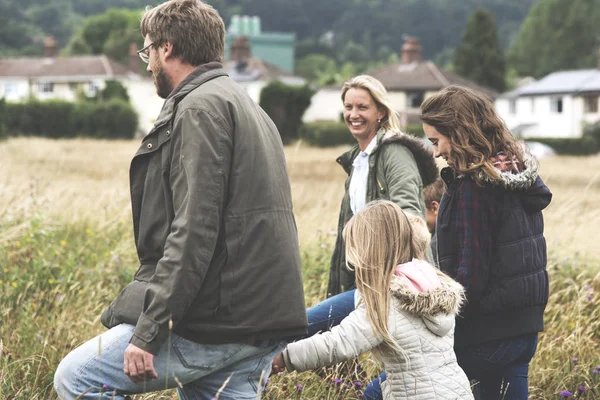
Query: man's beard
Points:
[163, 84]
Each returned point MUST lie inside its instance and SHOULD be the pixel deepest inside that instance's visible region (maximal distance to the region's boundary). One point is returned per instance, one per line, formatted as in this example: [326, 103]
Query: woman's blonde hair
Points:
[475, 130]
[377, 239]
[375, 88]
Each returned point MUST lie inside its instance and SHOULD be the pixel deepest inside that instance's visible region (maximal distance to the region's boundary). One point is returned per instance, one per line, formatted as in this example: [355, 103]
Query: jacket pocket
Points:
[205, 356]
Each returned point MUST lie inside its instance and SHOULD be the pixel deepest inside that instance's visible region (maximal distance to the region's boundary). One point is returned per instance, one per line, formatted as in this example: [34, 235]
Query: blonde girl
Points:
[405, 312]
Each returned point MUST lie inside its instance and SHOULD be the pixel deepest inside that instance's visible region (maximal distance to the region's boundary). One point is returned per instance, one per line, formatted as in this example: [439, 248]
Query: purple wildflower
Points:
[357, 385]
[575, 359]
[565, 394]
[299, 387]
[582, 389]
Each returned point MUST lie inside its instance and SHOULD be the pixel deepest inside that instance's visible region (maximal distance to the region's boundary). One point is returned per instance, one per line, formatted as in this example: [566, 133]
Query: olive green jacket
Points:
[399, 167]
[214, 229]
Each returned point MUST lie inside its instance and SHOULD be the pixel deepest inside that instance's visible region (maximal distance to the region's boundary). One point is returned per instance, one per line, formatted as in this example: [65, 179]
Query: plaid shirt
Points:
[475, 210]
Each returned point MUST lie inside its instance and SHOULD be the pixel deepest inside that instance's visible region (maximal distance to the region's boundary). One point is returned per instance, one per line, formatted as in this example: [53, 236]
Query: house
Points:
[254, 73]
[560, 105]
[275, 48]
[408, 83]
[57, 77]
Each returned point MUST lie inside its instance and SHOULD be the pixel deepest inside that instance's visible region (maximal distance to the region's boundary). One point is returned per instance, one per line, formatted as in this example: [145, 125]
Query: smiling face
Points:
[361, 115]
[441, 143]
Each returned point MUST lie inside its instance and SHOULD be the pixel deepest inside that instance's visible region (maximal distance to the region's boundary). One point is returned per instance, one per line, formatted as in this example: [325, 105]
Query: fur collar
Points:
[519, 181]
[428, 169]
[445, 300]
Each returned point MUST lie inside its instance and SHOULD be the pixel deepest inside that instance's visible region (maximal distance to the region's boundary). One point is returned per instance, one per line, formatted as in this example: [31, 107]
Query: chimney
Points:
[50, 47]
[133, 64]
[240, 49]
[411, 50]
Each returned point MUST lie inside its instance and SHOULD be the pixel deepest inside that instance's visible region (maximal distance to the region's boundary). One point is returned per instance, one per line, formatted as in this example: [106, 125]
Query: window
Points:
[91, 89]
[11, 88]
[590, 104]
[46, 87]
[556, 105]
[415, 99]
[512, 106]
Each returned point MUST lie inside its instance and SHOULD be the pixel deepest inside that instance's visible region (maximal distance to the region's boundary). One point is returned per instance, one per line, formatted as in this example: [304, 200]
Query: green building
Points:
[272, 47]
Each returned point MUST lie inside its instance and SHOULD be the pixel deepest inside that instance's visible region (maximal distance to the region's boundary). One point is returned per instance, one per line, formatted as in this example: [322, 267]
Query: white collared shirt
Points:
[360, 176]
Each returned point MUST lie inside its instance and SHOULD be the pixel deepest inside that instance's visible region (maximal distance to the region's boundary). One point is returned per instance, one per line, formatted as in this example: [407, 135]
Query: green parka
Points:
[214, 228]
[399, 167]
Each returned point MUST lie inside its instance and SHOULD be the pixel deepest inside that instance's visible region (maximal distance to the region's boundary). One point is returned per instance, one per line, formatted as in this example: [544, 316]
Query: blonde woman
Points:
[405, 311]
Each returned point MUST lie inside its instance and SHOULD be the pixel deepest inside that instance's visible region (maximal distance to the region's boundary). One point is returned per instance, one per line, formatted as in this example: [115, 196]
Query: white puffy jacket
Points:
[423, 326]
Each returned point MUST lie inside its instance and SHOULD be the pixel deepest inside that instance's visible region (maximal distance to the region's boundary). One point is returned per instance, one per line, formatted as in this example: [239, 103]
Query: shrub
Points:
[285, 104]
[115, 118]
[326, 134]
[114, 90]
[3, 128]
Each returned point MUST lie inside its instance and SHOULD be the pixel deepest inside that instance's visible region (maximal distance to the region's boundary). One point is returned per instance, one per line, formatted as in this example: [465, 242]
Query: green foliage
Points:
[323, 27]
[3, 111]
[54, 281]
[316, 66]
[114, 90]
[285, 105]
[110, 33]
[479, 56]
[330, 134]
[326, 134]
[557, 35]
[111, 119]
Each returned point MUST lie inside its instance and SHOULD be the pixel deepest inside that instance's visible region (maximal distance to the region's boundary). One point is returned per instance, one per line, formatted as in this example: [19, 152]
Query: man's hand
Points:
[139, 364]
[278, 364]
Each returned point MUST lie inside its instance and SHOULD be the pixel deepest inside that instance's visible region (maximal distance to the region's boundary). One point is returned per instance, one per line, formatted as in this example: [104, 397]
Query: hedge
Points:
[328, 134]
[62, 119]
[589, 143]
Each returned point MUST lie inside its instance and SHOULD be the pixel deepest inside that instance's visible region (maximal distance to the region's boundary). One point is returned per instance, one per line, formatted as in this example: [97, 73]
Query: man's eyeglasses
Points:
[145, 53]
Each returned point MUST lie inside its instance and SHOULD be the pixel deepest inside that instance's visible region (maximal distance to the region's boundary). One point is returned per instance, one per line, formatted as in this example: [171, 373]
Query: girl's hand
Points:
[278, 365]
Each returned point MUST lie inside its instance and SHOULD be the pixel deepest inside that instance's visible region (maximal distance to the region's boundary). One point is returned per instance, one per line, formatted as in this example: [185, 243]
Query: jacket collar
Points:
[423, 155]
[200, 75]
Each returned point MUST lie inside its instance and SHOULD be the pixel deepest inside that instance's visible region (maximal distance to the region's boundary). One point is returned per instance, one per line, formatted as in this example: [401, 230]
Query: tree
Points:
[557, 35]
[109, 33]
[479, 56]
[285, 105]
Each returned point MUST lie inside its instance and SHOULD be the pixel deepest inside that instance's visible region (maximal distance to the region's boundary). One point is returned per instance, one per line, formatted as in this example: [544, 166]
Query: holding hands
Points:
[278, 365]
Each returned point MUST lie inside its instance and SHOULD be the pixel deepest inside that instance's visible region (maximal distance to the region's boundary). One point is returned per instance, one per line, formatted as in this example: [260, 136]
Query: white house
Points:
[56, 77]
[408, 83]
[559, 105]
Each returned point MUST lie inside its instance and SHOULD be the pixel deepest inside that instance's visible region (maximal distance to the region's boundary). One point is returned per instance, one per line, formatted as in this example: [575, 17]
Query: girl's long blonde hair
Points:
[378, 238]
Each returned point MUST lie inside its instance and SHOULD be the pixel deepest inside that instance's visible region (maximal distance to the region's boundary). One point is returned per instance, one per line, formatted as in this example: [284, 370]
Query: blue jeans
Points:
[501, 367]
[329, 313]
[202, 369]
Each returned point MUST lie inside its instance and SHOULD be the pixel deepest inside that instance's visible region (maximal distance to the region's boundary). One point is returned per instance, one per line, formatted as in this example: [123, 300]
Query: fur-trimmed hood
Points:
[536, 195]
[423, 154]
[438, 308]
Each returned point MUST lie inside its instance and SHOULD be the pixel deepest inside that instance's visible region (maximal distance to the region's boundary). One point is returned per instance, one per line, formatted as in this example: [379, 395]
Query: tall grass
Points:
[66, 249]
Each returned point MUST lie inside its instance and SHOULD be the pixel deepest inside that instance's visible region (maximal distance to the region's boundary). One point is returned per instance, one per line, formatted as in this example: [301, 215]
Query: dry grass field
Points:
[65, 218]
